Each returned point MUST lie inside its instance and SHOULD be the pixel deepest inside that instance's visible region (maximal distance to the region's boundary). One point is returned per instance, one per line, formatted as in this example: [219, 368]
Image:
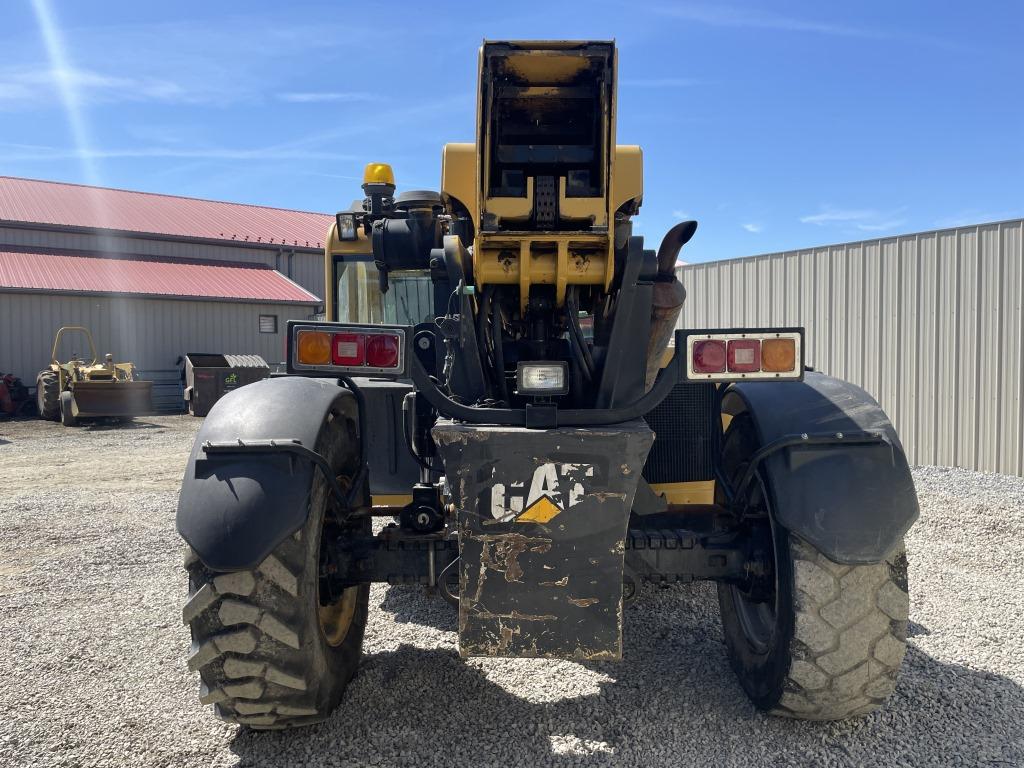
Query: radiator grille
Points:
[686, 426]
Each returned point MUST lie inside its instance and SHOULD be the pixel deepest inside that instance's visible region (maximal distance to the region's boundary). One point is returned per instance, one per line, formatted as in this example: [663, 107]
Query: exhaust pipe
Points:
[668, 296]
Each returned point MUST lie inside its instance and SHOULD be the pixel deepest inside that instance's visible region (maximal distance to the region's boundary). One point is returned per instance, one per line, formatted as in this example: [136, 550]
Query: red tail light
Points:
[342, 349]
[382, 351]
[709, 356]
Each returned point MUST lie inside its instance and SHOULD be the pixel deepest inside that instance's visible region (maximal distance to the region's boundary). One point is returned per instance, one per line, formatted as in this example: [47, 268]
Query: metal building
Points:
[930, 324]
[152, 276]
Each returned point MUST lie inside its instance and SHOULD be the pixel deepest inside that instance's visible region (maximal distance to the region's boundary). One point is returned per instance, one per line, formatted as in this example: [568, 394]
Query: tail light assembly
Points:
[739, 354]
[341, 349]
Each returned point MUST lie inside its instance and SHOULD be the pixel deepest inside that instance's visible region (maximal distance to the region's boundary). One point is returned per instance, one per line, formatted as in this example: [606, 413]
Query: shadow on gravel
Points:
[111, 425]
[411, 605]
[672, 701]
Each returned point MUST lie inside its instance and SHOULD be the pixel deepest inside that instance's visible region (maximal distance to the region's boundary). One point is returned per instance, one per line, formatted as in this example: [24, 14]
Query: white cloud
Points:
[971, 216]
[881, 226]
[853, 219]
[12, 153]
[832, 215]
[317, 97]
[31, 86]
[190, 62]
[659, 82]
[731, 16]
[753, 227]
[681, 215]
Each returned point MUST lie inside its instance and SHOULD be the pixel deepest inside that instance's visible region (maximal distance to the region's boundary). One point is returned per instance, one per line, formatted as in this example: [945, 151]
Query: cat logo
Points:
[553, 489]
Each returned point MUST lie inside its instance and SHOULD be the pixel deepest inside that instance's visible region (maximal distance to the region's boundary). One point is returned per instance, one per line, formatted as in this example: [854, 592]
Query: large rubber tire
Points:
[67, 413]
[48, 395]
[828, 641]
[263, 655]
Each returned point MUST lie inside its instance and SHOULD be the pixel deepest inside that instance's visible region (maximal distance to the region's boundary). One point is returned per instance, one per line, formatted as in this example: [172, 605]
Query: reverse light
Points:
[544, 378]
[745, 356]
[348, 349]
[342, 349]
[735, 354]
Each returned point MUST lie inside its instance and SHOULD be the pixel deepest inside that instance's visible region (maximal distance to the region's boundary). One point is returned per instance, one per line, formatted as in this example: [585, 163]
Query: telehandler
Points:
[501, 376]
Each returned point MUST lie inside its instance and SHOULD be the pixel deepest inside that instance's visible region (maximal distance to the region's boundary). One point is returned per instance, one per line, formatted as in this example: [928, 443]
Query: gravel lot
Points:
[92, 648]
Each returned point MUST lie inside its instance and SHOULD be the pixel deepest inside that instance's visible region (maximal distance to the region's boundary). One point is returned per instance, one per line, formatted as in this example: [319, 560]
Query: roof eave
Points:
[76, 229]
[312, 302]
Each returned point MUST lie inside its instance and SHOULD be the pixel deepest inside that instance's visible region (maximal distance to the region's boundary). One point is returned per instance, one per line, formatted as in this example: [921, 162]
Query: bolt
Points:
[423, 343]
[839, 435]
[422, 519]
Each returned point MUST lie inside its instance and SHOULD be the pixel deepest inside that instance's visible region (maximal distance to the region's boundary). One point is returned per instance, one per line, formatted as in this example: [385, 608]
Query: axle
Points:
[655, 553]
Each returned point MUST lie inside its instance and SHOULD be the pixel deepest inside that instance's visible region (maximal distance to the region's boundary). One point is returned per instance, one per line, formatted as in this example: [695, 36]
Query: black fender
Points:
[234, 509]
[852, 502]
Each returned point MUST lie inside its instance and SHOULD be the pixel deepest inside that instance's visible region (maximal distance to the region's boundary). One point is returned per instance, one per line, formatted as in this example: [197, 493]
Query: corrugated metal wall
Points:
[303, 266]
[152, 333]
[930, 324]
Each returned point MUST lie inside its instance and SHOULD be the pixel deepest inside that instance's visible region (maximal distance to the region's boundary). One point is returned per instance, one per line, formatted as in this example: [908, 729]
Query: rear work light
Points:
[735, 354]
[343, 349]
[542, 378]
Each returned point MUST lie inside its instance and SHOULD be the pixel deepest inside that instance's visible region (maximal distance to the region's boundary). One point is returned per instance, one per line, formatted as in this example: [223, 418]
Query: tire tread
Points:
[848, 645]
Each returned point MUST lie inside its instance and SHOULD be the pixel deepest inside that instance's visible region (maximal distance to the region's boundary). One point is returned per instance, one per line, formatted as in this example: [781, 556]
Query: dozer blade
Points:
[93, 399]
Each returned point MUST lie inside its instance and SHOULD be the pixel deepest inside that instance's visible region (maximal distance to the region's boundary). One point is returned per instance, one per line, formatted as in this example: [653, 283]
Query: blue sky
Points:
[776, 125]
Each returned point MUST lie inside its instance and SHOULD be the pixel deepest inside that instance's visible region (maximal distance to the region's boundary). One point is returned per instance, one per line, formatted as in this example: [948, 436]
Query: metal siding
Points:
[931, 324]
[152, 333]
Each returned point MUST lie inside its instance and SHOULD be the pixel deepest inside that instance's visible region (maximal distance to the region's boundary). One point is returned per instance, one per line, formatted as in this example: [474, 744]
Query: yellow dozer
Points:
[86, 390]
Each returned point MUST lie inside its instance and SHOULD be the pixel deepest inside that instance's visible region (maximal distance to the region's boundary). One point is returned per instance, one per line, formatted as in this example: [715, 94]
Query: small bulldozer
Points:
[89, 390]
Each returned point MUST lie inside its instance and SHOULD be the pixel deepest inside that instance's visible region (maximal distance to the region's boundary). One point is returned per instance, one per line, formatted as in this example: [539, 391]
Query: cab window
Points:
[358, 298]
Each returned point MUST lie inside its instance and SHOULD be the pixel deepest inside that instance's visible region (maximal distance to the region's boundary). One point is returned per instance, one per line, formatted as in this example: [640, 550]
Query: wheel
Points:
[270, 649]
[67, 412]
[813, 639]
[48, 395]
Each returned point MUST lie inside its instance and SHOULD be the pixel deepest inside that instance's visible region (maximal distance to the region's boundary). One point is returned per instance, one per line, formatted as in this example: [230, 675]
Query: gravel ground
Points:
[92, 648]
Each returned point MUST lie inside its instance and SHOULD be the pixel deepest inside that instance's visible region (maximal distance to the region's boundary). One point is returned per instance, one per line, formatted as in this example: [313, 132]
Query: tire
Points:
[822, 641]
[48, 395]
[263, 655]
[67, 413]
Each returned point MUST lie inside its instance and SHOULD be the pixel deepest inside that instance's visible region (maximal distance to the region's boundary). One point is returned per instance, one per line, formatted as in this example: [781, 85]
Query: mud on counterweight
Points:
[542, 517]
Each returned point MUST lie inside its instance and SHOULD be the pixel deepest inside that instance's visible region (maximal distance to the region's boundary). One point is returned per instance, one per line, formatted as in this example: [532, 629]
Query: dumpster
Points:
[208, 377]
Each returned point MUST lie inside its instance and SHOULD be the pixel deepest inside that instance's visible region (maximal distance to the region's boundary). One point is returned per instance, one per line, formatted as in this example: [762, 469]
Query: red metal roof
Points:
[48, 271]
[74, 205]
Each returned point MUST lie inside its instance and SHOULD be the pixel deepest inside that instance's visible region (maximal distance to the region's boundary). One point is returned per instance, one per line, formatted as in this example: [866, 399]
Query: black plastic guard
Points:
[542, 518]
[854, 503]
[234, 509]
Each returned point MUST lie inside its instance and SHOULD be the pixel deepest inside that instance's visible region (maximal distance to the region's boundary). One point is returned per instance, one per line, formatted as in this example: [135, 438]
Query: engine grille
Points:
[687, 427]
